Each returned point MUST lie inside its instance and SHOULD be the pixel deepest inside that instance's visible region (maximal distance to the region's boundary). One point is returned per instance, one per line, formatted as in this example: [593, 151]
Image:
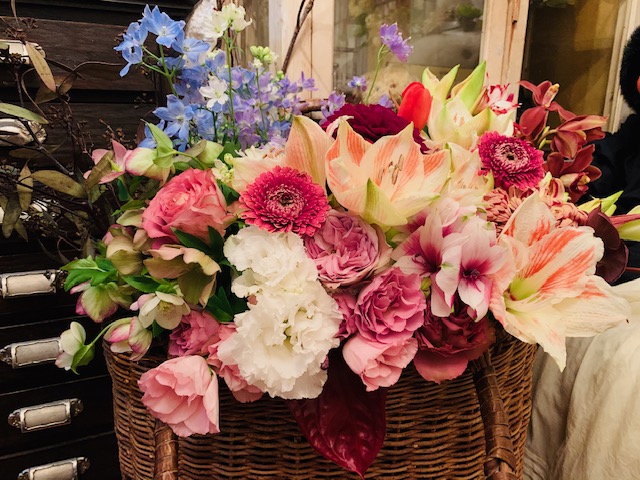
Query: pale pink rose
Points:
[183, 393]
[193, 334]
[378, 364]
[346, 249]
[391, 307]
[241, 390]
[190, 202]
[346, 301]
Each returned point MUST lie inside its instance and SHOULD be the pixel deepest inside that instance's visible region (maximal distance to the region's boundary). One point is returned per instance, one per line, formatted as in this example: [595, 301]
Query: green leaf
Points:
[60, 182]
[163, 142]
[103, 277]
[230, 195]
[81, 263]
[16, 111]
[217, 244]
[12, 213]
[103, 167]
[41, 66]
[191, 241]
[25, 187]
[217, 310]
[230, 147]
[156, 330]
[142, 283]
[83, 357]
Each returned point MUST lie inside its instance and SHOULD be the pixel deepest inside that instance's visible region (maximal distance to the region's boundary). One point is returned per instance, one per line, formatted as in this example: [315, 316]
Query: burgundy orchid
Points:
[571, 152]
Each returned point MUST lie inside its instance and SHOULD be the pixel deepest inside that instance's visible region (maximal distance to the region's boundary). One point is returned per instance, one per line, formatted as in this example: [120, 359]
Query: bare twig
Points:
[303, 13]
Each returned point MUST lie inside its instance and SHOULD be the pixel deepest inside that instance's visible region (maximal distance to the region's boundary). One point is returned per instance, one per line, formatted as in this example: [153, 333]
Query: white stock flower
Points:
[253, 161]
[281, 342]
[234, 16]
[271, 262]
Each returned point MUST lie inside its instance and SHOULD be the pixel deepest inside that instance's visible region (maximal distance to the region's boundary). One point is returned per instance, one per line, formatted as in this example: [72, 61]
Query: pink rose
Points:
[391, 307]
[378, 364]
[346, 301]
[447, 344]
[241, 390]
[190, 202]
[193, 334]
[346, 249]
[183, 393]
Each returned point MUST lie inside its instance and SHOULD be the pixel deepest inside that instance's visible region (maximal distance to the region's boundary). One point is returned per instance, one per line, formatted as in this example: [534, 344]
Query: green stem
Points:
[382, 51]
[228, 43]
[102, 332]
[264, 120]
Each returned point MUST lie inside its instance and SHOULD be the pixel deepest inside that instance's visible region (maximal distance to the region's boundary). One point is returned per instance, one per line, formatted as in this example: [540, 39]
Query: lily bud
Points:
[416, 104]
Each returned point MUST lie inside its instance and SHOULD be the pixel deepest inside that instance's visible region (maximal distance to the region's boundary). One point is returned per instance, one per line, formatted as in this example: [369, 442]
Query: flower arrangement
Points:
[279, 254]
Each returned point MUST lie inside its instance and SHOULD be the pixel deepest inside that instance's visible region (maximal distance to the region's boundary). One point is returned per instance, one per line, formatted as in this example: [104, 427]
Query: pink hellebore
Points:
[128, 335]
[101, 301]
[118, 164]
[164, 308]
[183, 393]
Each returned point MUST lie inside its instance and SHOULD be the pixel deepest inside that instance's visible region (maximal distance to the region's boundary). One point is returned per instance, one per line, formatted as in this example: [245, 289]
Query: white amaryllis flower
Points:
[268, 262]
[165, 308]
[281, 342]
[71, 341]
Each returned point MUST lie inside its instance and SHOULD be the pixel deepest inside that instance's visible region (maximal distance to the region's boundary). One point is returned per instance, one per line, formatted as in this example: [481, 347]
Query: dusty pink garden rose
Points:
[448, 344]
[390, 308]
[241, 390]
[183, 393]
[193, 334]
[190, 202]
[378, 364]
[346, 249]
[346, 301]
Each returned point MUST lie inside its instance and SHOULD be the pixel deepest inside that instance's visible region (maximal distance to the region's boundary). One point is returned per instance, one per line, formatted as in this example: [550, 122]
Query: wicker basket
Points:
[433, 431]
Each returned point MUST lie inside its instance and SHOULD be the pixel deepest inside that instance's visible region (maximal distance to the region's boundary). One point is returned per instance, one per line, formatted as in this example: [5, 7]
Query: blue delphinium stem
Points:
[228, 42]
[382, 51]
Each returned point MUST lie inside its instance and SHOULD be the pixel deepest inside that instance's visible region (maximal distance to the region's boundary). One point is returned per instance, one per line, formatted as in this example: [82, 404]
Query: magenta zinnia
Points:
[512, 161]
[285, 200]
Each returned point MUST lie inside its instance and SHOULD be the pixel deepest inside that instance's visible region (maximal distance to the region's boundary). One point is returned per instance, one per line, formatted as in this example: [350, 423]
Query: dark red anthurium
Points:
[416, 104]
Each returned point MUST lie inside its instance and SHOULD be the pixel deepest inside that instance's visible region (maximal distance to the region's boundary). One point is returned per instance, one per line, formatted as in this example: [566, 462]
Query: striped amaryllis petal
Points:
[306, 148]
[559, 264]
[595, 310]
[531, 221]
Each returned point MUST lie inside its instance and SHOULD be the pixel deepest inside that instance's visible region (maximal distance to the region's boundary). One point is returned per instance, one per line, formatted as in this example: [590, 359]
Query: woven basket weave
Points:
[433, 431]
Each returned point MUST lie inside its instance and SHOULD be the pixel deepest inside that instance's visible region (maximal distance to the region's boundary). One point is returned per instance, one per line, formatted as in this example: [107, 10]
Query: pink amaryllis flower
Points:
[285, 200]
[511, 161]
[549, 290]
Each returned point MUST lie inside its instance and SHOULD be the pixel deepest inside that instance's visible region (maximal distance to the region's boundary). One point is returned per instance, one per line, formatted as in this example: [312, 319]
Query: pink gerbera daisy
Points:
[285, 200]
[512, 161]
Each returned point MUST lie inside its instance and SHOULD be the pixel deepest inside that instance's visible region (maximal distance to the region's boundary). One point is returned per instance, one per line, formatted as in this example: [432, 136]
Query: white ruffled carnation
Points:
[270, 262]
[282, 341]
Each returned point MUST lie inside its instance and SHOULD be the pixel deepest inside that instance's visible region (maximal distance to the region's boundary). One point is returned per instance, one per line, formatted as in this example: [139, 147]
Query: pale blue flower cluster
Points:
[210, 100]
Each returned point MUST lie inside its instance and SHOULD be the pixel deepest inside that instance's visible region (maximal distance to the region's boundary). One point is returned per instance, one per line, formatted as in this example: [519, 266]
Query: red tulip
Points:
[416, 104]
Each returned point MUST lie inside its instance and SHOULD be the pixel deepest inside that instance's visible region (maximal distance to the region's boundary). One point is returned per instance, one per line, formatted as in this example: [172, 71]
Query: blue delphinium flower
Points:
[177, 115]
[131, 46]
[392, 38]
[191, 48]
[385, 101]
[161, 24]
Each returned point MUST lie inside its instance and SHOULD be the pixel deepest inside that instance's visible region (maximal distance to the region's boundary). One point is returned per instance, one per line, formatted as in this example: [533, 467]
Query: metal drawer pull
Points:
[63, 470]
[35, 352]
[19, 284]
[47, 415]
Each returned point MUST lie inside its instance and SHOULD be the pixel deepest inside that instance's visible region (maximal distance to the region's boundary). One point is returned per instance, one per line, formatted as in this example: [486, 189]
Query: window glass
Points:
[444, 33]
[570, 42]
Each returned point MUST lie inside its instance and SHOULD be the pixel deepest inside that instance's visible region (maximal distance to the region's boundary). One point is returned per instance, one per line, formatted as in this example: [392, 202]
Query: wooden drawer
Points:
[101, 451]
[95, 417]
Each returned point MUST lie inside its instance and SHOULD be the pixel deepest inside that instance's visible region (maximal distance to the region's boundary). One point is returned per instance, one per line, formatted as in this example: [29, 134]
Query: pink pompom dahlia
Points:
[285, 200]
[513, 162]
